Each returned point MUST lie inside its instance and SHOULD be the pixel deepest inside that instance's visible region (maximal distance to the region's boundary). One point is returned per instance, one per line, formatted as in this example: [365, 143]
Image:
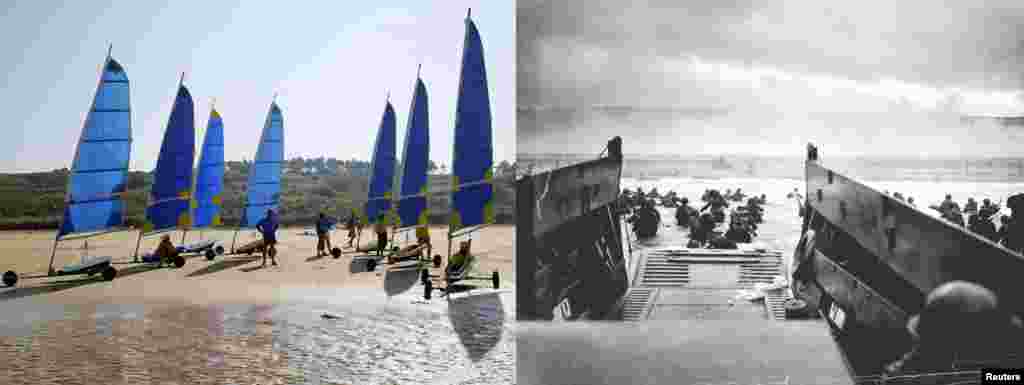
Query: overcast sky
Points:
[332, 64]
[855, 77]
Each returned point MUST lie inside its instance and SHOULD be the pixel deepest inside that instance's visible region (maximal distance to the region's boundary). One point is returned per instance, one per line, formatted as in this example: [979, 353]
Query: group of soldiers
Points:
[981, 220]
[743, 219]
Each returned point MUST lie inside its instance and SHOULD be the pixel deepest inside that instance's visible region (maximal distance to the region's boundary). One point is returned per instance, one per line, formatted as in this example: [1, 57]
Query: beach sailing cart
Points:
[472, 195]
[94, 203]
[170, 198]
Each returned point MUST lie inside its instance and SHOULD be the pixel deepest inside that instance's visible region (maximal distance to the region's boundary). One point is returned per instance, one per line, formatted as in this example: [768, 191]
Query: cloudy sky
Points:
[742, 76]
[332, 64]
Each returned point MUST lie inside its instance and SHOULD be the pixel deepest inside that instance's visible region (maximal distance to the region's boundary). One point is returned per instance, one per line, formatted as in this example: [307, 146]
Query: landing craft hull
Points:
[569, 254]
[873, 259]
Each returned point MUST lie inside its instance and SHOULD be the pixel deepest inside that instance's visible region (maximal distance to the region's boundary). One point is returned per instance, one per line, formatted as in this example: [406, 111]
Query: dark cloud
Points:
[956, 44]
[635, 59]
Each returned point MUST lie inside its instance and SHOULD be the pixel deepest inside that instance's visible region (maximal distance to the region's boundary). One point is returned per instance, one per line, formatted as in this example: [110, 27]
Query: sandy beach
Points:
[228, 320]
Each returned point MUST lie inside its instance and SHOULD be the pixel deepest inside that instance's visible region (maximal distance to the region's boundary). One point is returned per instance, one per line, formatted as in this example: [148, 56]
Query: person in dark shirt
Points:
[971, 207]
[983, 226]
[323, 235]
[685, 213]
[737, 233]
[948, 205]
[987, 208]
[702, 233]
[1004, 230]
[353, 226]
[268, 228]
[382, 236]
[166, 250]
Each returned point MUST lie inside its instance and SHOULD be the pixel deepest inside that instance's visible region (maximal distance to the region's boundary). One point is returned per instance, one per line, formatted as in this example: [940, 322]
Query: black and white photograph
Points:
[792, 192]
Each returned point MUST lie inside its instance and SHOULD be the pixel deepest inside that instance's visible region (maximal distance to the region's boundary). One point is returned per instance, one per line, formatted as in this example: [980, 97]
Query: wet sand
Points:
[227, 322]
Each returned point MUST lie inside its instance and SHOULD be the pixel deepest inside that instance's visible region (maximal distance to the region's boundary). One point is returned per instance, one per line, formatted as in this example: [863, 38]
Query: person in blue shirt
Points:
[268, 228]
[323, 234]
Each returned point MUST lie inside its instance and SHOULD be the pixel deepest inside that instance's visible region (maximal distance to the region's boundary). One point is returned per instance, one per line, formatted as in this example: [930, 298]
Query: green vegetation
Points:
[36, 200]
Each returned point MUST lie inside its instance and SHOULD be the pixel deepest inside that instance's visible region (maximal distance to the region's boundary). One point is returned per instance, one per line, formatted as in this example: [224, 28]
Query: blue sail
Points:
[412, 207]
[93, 201]
[210, 178]
[473, 154]
[382, 170]
[171, 196]
[264, 188]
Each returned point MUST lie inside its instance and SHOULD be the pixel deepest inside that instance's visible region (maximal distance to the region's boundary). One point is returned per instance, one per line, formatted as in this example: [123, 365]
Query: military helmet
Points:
[953, 306]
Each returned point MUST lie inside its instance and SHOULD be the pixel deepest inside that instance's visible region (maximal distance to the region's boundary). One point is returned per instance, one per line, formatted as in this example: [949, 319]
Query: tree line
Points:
[309, 186]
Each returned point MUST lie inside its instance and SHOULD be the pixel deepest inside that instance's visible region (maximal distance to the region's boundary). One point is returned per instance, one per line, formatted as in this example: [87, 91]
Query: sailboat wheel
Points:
[336, 252]
[495, 279]
[437, 260]
[179, 261]
[219, 249]
[109, 273]
[428, 288]
[10, 278]
[210, 254]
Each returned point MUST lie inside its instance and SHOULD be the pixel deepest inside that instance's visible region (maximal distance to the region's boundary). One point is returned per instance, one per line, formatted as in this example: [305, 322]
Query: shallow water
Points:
[781, 227]
[401, 340]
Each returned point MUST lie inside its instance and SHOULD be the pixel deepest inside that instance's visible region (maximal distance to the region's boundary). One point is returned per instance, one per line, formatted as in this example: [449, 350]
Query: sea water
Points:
[781, 227]
[366, 340]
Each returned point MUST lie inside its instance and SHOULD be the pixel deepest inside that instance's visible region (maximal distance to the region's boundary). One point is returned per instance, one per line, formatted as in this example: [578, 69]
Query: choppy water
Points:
[401, 341]
[781, 227]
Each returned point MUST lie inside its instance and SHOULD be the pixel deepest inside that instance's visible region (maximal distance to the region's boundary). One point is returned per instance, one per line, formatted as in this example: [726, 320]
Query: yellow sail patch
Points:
[424, 217]
[185, 220]
[216, 220]
[185, 194]
[489, 212]
[147, 227]
[455, 183]
[214, 114]
[456, 221]
[489, 174]
[217, 200]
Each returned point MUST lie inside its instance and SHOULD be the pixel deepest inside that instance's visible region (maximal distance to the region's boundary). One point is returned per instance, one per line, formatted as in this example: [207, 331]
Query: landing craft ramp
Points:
[692, 284]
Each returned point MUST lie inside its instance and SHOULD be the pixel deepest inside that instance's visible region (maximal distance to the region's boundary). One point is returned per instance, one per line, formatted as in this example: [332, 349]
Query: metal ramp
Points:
[775, 302]
[695, 287]
[659, 271]
[637, 304]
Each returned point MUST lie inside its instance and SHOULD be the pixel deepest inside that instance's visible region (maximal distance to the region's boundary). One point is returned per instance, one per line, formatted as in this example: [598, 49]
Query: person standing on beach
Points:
[268, 228]
[423, 238]
[382, 236]
[323, 235]
[351, 224]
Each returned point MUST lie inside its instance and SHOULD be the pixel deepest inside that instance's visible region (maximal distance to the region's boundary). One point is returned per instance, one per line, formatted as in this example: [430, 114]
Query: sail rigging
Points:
[99, 171]
[382, 170]
[210, 178]
[264, 187]
[171, 195]
[472, 194]
[412, 205]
